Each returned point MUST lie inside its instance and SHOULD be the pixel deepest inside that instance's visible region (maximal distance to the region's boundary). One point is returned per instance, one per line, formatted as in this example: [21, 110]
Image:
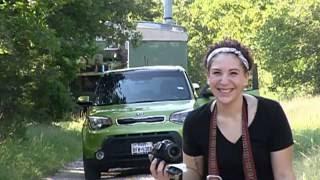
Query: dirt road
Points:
[74, 171]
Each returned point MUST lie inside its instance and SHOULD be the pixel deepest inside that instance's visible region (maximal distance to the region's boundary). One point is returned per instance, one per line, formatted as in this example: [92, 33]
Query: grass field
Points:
[44, 150]
[304, 117]
[47, 148]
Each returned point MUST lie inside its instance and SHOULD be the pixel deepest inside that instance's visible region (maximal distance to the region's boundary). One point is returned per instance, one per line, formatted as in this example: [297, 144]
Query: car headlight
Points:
[180, 116]
[99, 122]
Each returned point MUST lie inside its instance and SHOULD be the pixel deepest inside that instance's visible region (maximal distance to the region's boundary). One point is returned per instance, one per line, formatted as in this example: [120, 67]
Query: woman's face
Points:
[227, 78]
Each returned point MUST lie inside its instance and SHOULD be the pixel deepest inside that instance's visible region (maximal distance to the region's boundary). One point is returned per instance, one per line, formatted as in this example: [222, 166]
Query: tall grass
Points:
[304, 117]
[44, 149]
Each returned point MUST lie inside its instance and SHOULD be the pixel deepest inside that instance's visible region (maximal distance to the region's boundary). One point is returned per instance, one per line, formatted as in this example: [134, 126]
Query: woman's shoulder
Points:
[197, 120]
[203, 109]
[267, 102]
[199, 112]
[269, 107]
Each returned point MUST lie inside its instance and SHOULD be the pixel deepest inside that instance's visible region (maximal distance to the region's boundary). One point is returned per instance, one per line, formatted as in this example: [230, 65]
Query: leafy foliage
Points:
[208, 22]
[40, 43]
[281, 34]
[290, 47]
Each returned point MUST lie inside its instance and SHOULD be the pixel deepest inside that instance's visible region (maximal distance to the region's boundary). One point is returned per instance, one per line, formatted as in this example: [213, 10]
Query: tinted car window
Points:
[142, 86]
[84, 85]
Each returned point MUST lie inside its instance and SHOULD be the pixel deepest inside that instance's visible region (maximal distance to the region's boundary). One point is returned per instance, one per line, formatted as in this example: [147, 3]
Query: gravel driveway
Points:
[74, 171]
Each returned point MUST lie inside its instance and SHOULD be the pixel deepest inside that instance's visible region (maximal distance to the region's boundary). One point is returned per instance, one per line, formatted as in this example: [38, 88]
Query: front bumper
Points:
[117, 149]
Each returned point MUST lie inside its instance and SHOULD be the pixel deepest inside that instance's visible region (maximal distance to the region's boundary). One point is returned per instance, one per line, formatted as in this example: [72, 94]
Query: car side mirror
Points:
[206, 92]
[84, 101]
[195, 86]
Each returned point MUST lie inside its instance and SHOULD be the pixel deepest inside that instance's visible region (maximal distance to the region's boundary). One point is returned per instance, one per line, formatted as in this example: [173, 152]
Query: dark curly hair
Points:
[231, 43]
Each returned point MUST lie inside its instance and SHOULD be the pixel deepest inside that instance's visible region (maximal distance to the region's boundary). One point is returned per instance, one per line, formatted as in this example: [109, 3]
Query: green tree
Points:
[40, 43]
[289, 47]
[282, 35]
[210, 21]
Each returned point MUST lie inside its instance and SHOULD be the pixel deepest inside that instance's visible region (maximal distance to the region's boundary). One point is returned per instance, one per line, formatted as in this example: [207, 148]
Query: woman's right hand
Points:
[158, 169]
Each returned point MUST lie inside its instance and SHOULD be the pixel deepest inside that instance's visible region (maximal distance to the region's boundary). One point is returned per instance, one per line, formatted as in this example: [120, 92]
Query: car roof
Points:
[91, 74]
[146, 68]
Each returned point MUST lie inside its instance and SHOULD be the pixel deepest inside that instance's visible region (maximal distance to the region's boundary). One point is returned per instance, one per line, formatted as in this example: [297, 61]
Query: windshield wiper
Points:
[143, 101]
[105, 104]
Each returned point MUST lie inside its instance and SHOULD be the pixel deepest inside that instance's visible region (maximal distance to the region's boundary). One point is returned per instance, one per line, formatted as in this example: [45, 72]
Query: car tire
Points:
[91, 172]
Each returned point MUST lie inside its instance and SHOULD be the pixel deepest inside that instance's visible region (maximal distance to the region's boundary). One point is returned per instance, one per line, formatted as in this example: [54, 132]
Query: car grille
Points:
[118, 148]
[140, 119]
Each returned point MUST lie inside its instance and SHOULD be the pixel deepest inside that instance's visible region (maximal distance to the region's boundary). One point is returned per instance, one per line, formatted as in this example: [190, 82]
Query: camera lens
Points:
[174, 151]
[167, 150]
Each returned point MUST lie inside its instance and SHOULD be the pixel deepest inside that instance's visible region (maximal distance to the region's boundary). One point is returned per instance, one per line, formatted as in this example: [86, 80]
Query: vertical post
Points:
[167, 11]
[255, 78]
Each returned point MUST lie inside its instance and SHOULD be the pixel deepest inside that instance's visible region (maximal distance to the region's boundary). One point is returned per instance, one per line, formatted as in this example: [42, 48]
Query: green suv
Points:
[133, 109]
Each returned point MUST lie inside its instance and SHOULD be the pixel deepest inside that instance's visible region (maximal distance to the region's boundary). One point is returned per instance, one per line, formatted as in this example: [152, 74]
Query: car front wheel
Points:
[91, 171]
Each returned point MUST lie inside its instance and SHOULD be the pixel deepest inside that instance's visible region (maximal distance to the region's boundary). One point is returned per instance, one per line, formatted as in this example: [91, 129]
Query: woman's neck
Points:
[232, 109]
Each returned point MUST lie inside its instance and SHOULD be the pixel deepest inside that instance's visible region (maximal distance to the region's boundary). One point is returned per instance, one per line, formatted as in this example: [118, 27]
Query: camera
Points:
[168, 151]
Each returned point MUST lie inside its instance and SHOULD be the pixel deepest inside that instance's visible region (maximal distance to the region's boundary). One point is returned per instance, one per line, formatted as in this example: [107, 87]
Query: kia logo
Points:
[139, 114]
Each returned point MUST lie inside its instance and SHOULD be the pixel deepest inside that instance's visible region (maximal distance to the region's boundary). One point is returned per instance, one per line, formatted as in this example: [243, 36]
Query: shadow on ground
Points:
[130, 173]
[74, 171]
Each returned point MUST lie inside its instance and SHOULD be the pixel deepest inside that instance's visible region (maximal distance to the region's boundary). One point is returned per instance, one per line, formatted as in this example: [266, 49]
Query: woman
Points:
[249, 137]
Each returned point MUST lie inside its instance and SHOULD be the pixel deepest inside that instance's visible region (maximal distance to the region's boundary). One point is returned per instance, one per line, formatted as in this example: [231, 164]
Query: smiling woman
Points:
[227, 78]
[236, 136]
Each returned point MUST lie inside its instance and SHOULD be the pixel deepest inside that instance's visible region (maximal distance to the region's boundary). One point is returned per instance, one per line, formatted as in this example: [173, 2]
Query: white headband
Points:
[228, 50]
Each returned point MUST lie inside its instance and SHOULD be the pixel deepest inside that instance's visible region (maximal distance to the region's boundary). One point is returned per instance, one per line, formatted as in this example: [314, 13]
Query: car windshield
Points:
[139, 86]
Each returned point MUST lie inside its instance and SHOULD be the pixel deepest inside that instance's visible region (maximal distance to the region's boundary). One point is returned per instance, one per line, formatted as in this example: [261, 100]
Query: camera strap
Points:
[247, 156]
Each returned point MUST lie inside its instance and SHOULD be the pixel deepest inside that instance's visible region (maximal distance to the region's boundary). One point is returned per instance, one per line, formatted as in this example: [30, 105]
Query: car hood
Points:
[145, 109]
